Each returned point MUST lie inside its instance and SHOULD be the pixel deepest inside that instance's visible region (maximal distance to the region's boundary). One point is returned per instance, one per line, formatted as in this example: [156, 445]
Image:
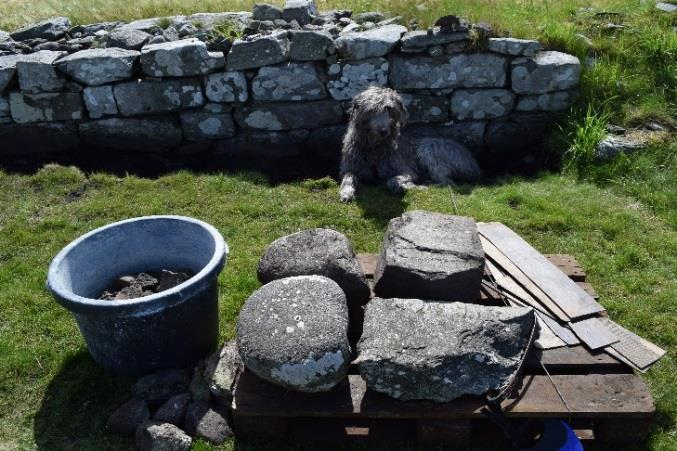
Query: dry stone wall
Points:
[272, 82]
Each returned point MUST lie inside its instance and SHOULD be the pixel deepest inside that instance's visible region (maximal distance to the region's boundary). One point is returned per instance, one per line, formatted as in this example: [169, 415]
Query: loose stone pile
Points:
[143, 284]
[280, 76]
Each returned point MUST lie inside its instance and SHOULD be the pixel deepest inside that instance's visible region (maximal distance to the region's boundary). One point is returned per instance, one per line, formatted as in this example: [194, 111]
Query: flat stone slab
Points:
[38, 74]
[182, 58]
[226, 87]
[50, 29]
[291, 82]
[425, 108]
[148, 134]
[550, 101]
[258, 51]
[348, 79]
[476, 104]
[434, 350]
[100, 101]
[95, 67]
[546, 72]
[127, 38]
[513, 46]
[8, 66]
[289, 115]
[146, 97]
[205, 125]
[420, 40]
[293, 332]
[310, 45]
[222, 370]
[428, 255]
[45, 107]
[369, 44]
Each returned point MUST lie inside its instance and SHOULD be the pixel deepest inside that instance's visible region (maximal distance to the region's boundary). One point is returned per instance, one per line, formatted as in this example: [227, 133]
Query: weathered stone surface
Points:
[50, 29]
[546, 72]
[207, 21]
[291, 81]
[93, 28]
[46, 107]
[162, 385]
[8, 67]
[128, 417]
[157, 436]
[431, 350]
[476, 70]
[310, 45]
[299, 10]
[37, 74]
[293, 332]
[226, 87]
[258, 51]
[369, 44]
[95, 67]
[481, 103]
[148, 134]
[348, 79]
[20, 139]
[222, 370]
[419, 40]
[205, 422]
[203, 125]
[666, 7]
[4, 36]
[100, 101]
[429, 255]
[180, 59]
[513, 46]
[266, 11]
[153, 23]
[145, 96]
[551, 101]
[425, 108]
[127, 38]
[255, 144]
[289, 116]
[173, 411]
[612, 145]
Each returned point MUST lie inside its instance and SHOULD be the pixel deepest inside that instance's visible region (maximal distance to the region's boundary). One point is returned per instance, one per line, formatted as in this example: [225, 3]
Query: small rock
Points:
[162, 385]
[451, 23]
[100, 102]
[612, 146]
[546, 72]
[222, 370]
[170, 279]
[156, 436]
[50, 29]
[666, 7]
[128, 417]
[310, 45]
[373, 16]
[265, 11]
[174, 410]
[127, 38]
[291, 81]
[148, 97]
[38, 73]
[204, 422]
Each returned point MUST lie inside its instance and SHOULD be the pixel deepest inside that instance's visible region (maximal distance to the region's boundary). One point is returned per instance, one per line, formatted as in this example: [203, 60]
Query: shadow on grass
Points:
[76, 406]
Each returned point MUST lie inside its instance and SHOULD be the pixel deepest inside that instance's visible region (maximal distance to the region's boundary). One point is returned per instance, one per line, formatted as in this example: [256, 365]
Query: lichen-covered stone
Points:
[204, 125]
[431, 350]
[514, 47]
[158, 436]
[348, 79]
[127, 38]
[148, 134]
[258, 51]
[289, 115]
[50, 29]
[428, 255]
[369, 44]
[181, 58]
[420, 40]
[266, 11]
[291, 81]
[310, 45]
[299, 10]
[426, 108]
[476, 70]
[222, 370]
[293, 332]
[144, 97]
[475, 104]
[44, 137]
[37, 74]
[95, 67]
[546, 72]
[226, 87]
[100, 101]
[45, 107]
[550, 101]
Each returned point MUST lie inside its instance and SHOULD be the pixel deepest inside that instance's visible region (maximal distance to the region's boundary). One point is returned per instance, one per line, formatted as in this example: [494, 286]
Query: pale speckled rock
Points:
[100, 101]
[266, 11]
[148, 134]
[181, 58]
[289, 115]
[293, 332]
[476, 70]
[551, 101]
[431, 350]
[95, 67]
[514, 47]
[291, 81]
[369, 44]
[222, 370]
[50, 29]
[428, 255]
[157, 436]
[426, 108]
[226, 87]
[44, 137]
[476, 104]
[310, 45]
[348, 79]
[127, 38]
[144, 97]
[260, 50]
[546, 72]
[204, 125]
[207, 423]
[45, 107]
[38, 74]
[299, 10]
[666, 7]
[420, 40]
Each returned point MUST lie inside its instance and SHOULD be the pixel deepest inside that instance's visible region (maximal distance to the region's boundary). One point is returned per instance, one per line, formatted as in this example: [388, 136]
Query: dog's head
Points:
[378, 114]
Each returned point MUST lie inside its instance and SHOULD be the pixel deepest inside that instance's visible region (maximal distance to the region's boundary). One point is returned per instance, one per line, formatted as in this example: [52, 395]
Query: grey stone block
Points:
[551, 101]
[157, 436]
[546, 72]
[289, 115]
[45, 137]
[50, 29]
[95, 67]
[182, 58]
[45, 107]
[208, 21]
[420, 40]
[299, 10]
[266, 11]
[348, 79]
[148, 134]
[514, 47]
[291, 81]
[127, 38]
[369, 44]
[203, 125]
[425, 108]
[261, 50]
[38, 74]
[310, 45]
[226, 87]
[8, 67]
[477, 104]
[100, 101]
[144, 97]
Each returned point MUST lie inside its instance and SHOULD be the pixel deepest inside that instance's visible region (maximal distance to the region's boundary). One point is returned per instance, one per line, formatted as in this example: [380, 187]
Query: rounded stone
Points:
[293, 332]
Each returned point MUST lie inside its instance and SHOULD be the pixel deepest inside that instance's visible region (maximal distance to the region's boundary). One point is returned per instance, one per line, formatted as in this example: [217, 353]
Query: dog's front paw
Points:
[347, 194]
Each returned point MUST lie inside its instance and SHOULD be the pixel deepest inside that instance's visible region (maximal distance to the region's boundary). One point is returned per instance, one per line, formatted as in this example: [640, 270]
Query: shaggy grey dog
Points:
[374, 148]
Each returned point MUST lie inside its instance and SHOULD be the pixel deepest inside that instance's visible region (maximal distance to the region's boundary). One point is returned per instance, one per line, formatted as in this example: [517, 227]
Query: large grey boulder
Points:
[43, 137]
[546, 72]
[147, 96]
[299, 10]
[291, 81]
[45, 107]
[222, 370]
[95, 67]
[100, 101]
[550, 101]
[226, 87]
[420, 40]
[348, 79]
[50, 29]
[148, 134]
[38, 74]
[474, 70]
[158, 436]
[293, 332]
[514, 47]
[127, 38]
[289, 115]
[180, 59]
[426, 108]
[369, 44]
[428, 255]
[310, 45]
[431, 350]
[203, 125]
[481, 103]
[258, 51]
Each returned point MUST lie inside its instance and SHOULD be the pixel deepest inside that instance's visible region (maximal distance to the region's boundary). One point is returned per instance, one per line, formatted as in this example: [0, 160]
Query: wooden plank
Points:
[587, 287]
[588, 396]
[561, 330]
[574, 358]
[546, 338]
[593, 332]
[441, 432]
[640, 352]
[575, 302]
[568, 265]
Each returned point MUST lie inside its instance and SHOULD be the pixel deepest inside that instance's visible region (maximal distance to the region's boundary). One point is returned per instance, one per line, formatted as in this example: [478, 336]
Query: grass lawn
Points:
[619, 219]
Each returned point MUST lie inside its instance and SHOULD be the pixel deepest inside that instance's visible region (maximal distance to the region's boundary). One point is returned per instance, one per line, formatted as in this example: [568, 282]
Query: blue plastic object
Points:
[557, 435]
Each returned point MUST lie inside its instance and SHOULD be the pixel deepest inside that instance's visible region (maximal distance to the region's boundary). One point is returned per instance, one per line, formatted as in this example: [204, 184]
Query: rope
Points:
[557, 390]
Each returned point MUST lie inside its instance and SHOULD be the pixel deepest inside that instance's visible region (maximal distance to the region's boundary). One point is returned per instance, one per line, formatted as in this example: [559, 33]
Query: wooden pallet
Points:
[605, 401]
